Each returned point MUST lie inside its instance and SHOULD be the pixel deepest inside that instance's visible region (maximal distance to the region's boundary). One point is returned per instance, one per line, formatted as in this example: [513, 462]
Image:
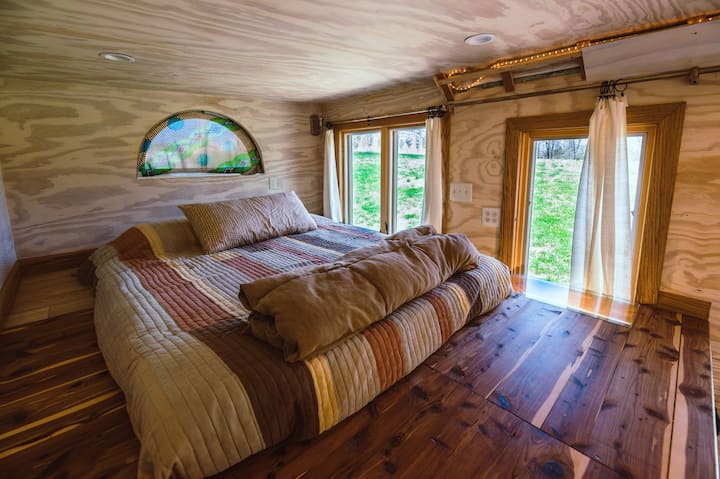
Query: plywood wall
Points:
[477, 145]
[69, 151]
[7, 246]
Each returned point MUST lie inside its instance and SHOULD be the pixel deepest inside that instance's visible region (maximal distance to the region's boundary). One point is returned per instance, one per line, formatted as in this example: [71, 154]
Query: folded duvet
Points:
[304, 312]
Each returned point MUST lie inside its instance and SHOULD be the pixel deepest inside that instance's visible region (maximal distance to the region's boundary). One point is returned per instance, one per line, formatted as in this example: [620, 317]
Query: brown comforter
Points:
[304, 312]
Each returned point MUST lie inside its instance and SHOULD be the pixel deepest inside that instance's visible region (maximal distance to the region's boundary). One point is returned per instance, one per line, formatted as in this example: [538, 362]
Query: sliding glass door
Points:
[556, 161]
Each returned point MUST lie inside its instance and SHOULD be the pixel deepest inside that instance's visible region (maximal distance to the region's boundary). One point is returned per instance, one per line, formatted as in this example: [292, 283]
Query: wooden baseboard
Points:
[8, 291]
[54, 262]
[694, 307]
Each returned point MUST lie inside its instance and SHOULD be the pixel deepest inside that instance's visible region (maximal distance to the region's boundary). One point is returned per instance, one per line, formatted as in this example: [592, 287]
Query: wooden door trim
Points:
[668, 122]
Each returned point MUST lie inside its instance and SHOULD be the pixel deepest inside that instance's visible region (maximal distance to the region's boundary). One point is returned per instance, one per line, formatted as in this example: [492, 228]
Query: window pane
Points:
[364, 149]
[556, 177]
[409, 177]
[198, 142]
[636, 151]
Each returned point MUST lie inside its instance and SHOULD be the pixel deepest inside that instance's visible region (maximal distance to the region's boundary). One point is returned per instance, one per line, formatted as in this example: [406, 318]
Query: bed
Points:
[203, 394]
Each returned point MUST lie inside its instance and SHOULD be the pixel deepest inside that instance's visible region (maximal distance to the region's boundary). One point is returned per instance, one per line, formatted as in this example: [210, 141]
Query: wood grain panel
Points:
[582, 396]
[301, 50]
[637, 403]
[547, 368]
[68, 157]
[483, 357]
[694, 423]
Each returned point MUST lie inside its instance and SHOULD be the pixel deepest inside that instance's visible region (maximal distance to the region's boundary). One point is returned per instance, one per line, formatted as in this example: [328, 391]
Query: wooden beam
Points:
[583, 75]
[508, 81]
[445, 90]
[580, 87]
[549, 57]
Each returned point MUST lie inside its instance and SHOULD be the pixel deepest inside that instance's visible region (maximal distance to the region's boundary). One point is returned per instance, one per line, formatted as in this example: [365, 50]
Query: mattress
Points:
[202, 394]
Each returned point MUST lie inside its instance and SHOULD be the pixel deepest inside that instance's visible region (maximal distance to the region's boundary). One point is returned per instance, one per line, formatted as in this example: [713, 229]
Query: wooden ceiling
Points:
[297, 50]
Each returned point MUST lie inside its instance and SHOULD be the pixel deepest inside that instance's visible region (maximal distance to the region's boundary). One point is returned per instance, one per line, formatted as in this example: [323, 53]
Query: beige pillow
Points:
[228, 224]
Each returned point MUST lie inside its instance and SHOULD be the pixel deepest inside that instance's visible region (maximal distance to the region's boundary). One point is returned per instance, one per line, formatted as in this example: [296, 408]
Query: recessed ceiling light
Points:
[479, 39]
[116, 57]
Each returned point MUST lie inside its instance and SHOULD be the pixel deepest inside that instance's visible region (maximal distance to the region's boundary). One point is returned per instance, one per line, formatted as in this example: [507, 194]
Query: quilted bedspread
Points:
[201, 393]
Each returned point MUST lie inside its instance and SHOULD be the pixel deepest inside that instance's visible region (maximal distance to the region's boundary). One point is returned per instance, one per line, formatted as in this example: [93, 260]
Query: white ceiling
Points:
[297, 50]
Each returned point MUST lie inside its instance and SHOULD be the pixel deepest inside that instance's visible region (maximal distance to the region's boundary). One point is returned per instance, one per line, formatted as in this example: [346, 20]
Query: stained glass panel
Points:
[198, 142]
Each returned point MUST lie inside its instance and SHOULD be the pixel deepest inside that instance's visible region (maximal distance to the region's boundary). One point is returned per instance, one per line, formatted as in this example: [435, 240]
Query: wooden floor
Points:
[528, 391]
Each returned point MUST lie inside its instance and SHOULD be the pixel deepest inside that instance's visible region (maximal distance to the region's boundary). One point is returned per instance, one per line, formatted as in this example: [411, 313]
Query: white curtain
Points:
[331, 191]
[432, 212]
[602, 240]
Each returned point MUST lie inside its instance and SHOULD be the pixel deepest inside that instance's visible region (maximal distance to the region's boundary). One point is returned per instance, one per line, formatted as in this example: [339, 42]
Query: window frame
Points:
[385, 127]
[197, 114]
[664, 124]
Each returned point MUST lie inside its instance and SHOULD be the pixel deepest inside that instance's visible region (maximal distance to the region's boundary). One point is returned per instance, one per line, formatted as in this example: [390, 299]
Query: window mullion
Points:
[385, 180]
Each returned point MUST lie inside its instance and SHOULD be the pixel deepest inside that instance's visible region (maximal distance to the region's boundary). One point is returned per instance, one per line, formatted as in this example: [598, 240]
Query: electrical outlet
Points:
[274, 183]
[461, 192]
[491, 216]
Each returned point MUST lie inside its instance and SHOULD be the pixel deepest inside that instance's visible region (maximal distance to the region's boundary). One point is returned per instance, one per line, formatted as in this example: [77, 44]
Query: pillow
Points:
[228, 224]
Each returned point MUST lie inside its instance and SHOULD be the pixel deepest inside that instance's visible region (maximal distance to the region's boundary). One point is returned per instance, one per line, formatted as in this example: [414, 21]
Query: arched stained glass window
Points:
[198, 142]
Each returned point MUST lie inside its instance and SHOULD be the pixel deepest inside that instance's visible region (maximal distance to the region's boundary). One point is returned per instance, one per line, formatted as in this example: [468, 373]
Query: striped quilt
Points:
[202, 394]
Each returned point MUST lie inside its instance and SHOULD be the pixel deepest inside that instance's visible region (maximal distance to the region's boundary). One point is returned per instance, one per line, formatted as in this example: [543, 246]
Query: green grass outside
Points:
[366, 190]
[554, 198]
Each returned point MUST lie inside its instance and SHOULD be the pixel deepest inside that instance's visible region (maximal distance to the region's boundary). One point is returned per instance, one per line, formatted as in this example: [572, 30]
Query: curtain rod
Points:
[590, 86]
[431, 111]
[441, 109]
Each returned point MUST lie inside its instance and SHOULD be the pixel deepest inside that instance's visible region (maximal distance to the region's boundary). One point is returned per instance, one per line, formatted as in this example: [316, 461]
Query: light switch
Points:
[491, 216]
[461, 192]
[274, 183]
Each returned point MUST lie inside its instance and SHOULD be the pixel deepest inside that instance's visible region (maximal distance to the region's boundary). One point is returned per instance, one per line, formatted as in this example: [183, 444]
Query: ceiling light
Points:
[116, 57]
[479, 39]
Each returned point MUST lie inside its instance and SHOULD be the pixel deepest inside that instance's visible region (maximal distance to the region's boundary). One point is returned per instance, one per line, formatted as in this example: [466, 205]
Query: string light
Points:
[548, 54]
[466, 85]
[539, 56]
[462, 85]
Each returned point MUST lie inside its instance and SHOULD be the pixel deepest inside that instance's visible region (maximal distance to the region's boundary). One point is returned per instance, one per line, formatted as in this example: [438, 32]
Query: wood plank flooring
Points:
[529, 390]
[47, 295]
